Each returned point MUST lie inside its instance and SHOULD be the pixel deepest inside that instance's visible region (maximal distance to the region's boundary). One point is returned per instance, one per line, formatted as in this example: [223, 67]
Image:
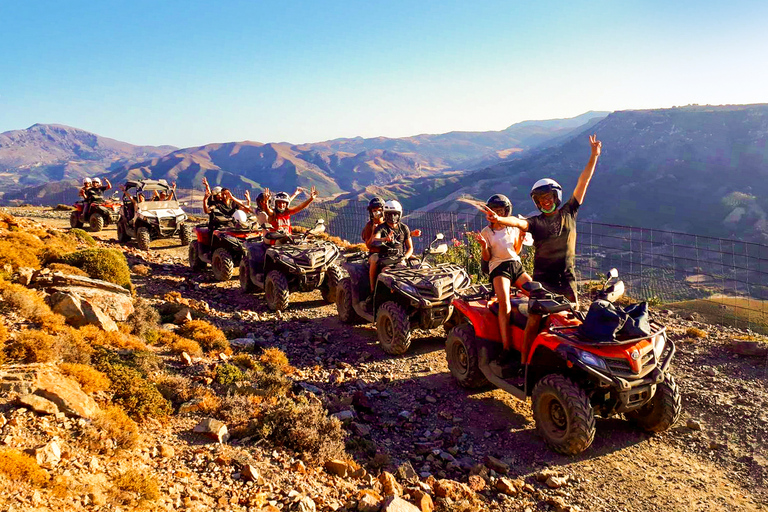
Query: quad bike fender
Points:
[203, 234]
[485, 323]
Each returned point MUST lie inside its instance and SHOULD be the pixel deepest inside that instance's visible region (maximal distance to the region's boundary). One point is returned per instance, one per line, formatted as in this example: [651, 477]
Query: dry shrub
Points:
[210, 337]
[302, 426]
[66, 269]
[94, 336]
[115, 424]
[31, 306]
[275, 360]
[178, 344]
[141, 270]
[56, 245]
[63, 208]
[177, 389]
[17, 466]
[105, 264]
[17, 256]
[144, 318]
[239, 411]
[3, 333]
[33, 346]
[246, 361]
[211, 402]
[137, 483]
[694, 332]
[82, 236]
[89, 378]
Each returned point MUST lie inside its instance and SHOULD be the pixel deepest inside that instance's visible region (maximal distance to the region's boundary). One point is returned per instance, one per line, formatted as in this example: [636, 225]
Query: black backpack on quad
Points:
[406, 297]
[294, 263]
[151, 220]
[101, 213]
[223, 248]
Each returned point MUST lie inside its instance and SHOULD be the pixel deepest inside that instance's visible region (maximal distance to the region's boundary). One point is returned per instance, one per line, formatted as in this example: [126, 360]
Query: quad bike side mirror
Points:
[439, 236]
[613, 273]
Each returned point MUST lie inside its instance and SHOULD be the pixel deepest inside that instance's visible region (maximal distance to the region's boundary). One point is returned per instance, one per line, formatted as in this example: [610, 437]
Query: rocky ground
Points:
[407, 412]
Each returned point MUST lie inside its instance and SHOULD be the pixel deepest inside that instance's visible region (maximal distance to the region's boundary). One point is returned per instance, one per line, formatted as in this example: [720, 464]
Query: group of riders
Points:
[389, 240]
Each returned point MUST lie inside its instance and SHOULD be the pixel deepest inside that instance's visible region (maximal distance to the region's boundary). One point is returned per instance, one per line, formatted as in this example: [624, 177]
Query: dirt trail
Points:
[411, 404]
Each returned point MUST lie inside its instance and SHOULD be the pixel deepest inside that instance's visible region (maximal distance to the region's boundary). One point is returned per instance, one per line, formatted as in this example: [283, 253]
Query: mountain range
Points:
[334, 166]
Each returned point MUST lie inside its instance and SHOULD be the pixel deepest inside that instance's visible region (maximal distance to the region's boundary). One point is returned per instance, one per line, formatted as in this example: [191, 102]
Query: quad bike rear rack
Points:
[571, 333]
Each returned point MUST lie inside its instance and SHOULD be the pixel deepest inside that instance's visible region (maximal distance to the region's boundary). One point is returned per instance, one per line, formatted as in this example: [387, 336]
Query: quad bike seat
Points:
[519, 314]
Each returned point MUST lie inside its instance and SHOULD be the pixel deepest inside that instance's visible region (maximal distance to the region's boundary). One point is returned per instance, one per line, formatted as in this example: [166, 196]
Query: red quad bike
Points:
[100, 214]
[222, 249]
[570, 379]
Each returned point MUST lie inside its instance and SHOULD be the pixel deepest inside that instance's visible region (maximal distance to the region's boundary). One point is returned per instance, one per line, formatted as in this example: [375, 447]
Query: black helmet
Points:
[282, 197]
[373, 204]
[500, 201]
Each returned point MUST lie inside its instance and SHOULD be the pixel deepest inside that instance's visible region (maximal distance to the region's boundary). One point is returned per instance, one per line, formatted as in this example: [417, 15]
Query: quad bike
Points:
[294, 263]
[153, 219]
[406, 297]
[569, 378]
[100, 214]
[223, 248]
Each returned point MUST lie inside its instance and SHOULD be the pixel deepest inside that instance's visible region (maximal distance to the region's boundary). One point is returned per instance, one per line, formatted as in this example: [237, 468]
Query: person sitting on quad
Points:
[165, 195]
[220, 205]
[95, 194]
[87, 183]
[500, 246]
[281, 215]
[263, 210]
[134, 210]
[375, 219]
[393, 239]
[554, 236]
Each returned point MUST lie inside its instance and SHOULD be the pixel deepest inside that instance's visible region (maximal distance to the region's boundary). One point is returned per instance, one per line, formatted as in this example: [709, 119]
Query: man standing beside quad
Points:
[554, 238]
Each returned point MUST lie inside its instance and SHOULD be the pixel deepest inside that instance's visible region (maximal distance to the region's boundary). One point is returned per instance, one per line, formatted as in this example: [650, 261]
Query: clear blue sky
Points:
[191, 72]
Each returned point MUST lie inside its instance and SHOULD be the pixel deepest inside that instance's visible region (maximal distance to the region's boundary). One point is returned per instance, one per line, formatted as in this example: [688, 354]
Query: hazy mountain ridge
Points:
[50, 152]
[334, 167]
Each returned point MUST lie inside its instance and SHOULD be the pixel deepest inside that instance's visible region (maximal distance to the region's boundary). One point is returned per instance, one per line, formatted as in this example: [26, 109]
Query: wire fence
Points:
[721, 279]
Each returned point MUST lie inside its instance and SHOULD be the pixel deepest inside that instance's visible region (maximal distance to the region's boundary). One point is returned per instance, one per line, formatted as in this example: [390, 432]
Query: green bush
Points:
[83, 236]
[131, 391]
[227, 374]
[105, 264]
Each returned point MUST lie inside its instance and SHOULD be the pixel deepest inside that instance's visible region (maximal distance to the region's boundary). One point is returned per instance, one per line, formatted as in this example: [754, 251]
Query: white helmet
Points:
[240, 218]
[393, 210]
[546, 186]
[87, 181]
[216, 190]
[97, 181]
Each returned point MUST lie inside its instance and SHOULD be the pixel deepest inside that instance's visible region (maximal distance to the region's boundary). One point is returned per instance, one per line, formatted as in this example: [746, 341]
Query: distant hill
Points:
[50, 152]
[697, 169]
[334, 167]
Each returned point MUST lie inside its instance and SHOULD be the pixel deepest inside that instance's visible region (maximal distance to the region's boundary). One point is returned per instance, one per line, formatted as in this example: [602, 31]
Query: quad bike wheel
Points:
[223, 264]
[461, 352]
[347, 313]
[393, 328]
[195, 263]
[332, 278]
[246, 285]
[74, 220]
[185, 235]
[96, 221]
[122, 237]
[276, 291]
[661, 411]
[143, 238]
[563, 414]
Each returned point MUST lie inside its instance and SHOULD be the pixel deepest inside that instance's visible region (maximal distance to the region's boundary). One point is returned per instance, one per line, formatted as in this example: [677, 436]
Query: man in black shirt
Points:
[95, 194]
[554, 235]
[220, 205]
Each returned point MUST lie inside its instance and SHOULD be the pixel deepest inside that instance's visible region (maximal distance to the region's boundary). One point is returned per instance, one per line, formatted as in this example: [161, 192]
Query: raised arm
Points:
[205, 200]
[513, 222]
[297, 209]
[268, 209]
[239, 203]
[586, 175]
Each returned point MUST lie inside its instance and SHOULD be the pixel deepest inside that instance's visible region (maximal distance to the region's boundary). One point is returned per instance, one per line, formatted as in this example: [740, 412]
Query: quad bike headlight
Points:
[286, 259]
[591, 359]
[658, 345]
[408, 289]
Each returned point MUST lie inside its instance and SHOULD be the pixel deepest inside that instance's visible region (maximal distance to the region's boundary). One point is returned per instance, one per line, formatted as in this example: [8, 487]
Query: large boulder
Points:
[78, 311]
[46, 381]
[110, 299]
